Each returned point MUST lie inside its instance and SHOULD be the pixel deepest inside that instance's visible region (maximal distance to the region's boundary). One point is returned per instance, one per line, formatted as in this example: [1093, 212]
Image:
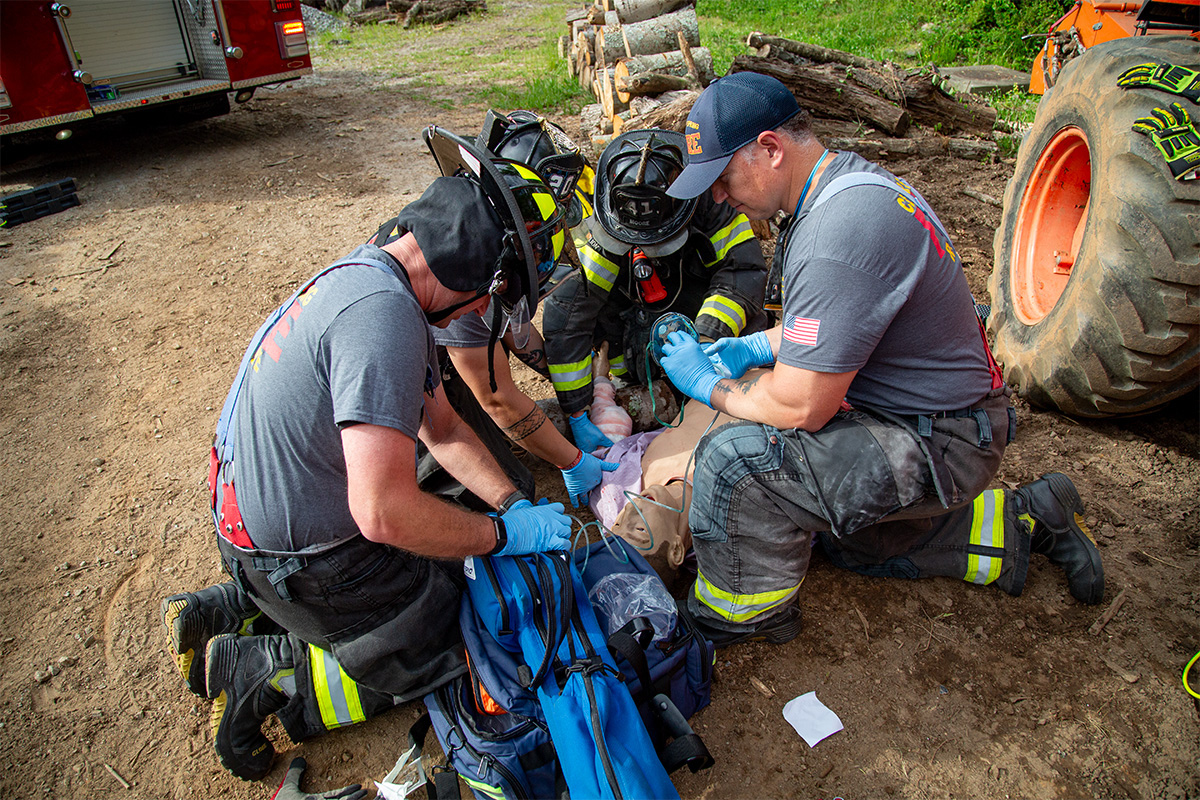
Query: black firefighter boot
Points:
[1054, 504]
[192, 618]
[244, 675]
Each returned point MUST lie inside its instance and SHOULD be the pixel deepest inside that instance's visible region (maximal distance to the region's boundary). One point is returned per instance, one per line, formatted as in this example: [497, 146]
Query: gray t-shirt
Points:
[870, 283]
[353, 348]
[469, 330]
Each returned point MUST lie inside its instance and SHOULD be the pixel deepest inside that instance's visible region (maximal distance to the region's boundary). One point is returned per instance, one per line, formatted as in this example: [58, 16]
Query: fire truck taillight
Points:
[4, 101]
[292, 41]
[283, 5]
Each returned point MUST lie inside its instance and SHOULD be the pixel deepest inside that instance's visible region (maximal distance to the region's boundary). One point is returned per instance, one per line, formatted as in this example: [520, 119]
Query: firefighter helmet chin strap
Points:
[509, 252]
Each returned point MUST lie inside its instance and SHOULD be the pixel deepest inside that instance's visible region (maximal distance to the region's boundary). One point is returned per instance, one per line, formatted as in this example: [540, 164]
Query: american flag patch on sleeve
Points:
[801, 330]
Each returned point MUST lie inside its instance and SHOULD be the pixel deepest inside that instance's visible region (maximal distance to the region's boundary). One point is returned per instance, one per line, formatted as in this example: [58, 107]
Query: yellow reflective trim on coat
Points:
[730, 236]
[598, 269]
[337, 693]
[575, 375]
[726, 310]
[987, 530]
[487, 789]
[616, 366]
[740, 607]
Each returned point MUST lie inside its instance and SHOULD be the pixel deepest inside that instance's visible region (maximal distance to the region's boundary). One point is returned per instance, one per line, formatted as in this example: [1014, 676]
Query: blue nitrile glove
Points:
[739, 354]
[533, 529]
[688, 367]
[588, 437]
[585, 476]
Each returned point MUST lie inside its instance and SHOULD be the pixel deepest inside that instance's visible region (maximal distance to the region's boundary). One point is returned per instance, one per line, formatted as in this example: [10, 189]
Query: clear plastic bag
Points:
[620, 597]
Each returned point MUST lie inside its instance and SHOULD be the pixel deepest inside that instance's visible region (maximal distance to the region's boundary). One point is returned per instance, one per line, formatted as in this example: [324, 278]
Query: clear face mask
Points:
[516, 323]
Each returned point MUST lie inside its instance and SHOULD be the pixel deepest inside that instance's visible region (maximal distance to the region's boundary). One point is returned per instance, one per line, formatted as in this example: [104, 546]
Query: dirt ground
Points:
[123, 321]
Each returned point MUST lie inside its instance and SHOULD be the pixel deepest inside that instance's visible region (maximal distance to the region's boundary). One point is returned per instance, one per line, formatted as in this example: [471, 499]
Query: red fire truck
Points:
[62, 62]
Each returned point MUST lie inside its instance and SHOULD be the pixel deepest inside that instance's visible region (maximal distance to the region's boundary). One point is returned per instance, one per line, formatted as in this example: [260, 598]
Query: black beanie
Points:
[458, 231]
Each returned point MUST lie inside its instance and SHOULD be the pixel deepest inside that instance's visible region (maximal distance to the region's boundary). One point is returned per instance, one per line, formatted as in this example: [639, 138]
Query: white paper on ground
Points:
[811, 718]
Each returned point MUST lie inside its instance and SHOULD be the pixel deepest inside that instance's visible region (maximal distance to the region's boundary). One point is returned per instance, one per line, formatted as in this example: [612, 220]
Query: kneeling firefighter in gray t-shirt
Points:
[346, 576]
[883, 417]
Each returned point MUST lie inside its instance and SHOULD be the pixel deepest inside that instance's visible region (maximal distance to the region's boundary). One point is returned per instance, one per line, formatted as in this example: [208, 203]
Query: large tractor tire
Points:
[1095, 299]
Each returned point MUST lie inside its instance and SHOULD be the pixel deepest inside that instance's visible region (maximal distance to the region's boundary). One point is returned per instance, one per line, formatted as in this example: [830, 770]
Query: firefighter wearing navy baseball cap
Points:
[880, 418]
[647, 253]
[345, 575]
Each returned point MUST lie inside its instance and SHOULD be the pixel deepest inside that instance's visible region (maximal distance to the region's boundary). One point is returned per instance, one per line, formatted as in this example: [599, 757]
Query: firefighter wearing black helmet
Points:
[645, 254]
[473, 350]
[346, 576]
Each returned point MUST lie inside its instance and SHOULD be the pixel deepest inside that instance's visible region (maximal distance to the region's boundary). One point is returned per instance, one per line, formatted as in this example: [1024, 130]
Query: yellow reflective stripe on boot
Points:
[337, 694]
[727, 311]
[730, 236]
[739, 607]
[598, 269]
[487, 789]
[575, 375]
[987, 529]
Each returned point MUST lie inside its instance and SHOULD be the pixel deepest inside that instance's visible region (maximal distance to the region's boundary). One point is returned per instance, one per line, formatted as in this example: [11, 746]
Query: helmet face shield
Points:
[536, 231]
[544, 218]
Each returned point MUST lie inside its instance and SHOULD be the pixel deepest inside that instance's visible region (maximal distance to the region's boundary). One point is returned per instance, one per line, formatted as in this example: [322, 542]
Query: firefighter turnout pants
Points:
[370, 626]
[870, 486]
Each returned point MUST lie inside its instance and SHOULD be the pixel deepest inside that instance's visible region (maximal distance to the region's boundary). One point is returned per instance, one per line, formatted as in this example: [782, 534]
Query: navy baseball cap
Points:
[729, 115]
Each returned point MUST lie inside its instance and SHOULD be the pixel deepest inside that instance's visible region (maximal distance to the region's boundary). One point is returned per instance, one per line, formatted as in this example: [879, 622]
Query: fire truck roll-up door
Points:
[67, 61]
[141, 51]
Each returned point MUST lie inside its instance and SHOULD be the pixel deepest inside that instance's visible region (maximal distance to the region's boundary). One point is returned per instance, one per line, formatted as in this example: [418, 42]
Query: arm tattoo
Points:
[744, 385]
[535, 360]
[527, 425]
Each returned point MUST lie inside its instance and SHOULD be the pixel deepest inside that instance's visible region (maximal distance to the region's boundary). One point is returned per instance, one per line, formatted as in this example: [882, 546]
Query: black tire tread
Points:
[1124, 337]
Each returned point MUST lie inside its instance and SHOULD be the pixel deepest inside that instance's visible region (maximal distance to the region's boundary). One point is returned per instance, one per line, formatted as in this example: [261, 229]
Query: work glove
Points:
[1171, 78]
[588, 437]
[533, 529]
[290, 788]
[732, 356]
[1174, 133]
[585, 476]
[688, 367]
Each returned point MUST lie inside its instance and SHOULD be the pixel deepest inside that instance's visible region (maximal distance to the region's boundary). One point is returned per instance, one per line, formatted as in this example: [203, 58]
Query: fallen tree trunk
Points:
[656, 35]
[912, 90]
[432, 12]
[826, 92]
[812, 52]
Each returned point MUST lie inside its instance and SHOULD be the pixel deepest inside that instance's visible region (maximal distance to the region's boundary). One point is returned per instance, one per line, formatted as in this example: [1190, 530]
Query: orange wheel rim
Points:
[1050, 225]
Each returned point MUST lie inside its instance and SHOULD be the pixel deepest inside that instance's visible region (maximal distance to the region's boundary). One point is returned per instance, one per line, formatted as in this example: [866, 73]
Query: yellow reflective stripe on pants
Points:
[987, 529]
[726, 310]
[575, 375]
[617, 365]
[337, 694]
[487, 789]
[598, 269]
[730, 236]
[740, 607]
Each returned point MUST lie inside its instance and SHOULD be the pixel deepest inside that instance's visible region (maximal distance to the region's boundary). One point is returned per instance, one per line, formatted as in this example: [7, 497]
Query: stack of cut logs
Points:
[643, 62]
[635, 56]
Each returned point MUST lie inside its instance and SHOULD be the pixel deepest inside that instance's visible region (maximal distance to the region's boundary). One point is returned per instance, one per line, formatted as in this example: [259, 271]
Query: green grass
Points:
[509, 53]
[941, 32]
[510, 60]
